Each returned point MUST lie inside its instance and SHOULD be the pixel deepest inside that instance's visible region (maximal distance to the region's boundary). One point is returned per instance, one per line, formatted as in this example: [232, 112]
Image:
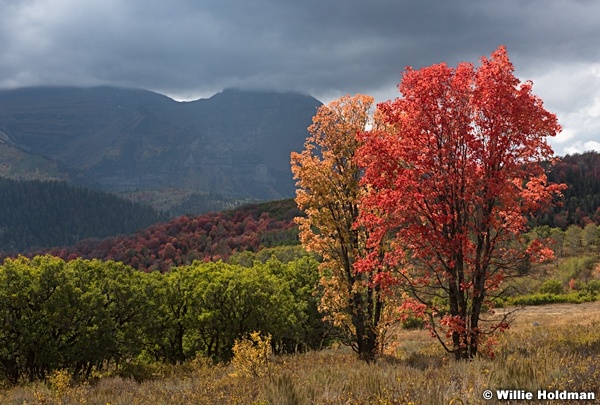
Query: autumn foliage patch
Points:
[180, 241]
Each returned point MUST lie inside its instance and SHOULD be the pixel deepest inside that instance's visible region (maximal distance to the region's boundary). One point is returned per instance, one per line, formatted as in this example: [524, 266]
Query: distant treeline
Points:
[36, 214]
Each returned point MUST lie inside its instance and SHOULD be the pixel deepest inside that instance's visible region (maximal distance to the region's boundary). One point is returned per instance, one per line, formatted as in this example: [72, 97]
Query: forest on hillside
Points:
[580, 203]
[36, 214]
[207, 237]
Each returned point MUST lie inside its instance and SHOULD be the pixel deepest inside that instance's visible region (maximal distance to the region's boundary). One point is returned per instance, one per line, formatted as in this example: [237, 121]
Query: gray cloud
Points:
[326, 48]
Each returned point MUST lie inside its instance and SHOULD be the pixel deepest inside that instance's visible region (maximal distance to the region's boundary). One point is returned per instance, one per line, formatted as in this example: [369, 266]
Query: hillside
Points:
[36, 214]
[236, 143]
[17, 164]
[580, 203]
[207, 237]
[217, 235]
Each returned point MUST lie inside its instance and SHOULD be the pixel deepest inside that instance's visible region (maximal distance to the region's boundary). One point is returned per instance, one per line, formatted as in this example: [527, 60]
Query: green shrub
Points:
[592, 287]
[535, 299]
[578, 268]
[552, 287]
[547, 298]
[413, 323]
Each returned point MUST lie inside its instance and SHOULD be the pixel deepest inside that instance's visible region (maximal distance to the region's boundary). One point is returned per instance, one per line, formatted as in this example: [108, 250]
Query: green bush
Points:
[547, 298]
[592, 287]
[413, 323]
[82, 314]
[578, 268]
[535, 299]
[552, 287]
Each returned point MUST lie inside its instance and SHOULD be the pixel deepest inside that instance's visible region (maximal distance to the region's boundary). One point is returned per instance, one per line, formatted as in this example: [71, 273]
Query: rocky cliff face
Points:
[234, 143]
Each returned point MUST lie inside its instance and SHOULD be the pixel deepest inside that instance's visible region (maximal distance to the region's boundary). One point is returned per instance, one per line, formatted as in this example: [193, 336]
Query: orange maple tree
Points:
[450, 189]
[329, 191]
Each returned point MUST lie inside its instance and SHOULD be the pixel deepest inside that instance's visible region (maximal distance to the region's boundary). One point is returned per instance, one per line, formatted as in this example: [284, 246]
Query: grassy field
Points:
[553, 347]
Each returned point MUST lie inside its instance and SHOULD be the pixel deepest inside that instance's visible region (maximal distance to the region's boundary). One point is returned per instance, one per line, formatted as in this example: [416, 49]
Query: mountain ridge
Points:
[236, 142]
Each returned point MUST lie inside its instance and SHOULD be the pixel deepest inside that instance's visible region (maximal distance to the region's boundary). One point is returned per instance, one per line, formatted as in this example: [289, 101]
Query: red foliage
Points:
[452, 180]
[206, 237]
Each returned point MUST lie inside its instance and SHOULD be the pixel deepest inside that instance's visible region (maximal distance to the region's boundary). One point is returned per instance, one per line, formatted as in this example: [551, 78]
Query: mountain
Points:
[236, 143]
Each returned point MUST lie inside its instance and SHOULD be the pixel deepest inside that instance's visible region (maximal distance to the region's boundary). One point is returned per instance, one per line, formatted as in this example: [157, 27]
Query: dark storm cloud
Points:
[325, 48]
[315, 46]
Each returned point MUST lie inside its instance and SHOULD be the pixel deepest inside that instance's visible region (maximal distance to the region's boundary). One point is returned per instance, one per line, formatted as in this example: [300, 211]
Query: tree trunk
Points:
[366, 338]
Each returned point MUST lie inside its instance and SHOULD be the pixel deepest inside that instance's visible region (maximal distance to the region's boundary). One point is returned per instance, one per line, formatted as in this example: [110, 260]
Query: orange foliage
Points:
[329, 192]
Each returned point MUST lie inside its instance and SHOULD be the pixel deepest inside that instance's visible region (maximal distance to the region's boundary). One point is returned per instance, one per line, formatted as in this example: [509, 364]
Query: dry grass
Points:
[556, 315]
[560, 351]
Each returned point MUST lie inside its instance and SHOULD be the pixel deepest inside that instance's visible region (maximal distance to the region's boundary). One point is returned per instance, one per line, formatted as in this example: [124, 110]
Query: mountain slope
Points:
[182, 240]
[17, 164]
[216, 236]
[234, 143]
[36, 214]
[580, 203]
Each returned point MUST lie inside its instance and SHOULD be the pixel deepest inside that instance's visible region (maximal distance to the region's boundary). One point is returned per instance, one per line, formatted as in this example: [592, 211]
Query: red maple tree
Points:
[452, 181]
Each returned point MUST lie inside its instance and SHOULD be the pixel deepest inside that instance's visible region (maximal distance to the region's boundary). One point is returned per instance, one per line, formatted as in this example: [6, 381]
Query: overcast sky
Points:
[189, 49]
